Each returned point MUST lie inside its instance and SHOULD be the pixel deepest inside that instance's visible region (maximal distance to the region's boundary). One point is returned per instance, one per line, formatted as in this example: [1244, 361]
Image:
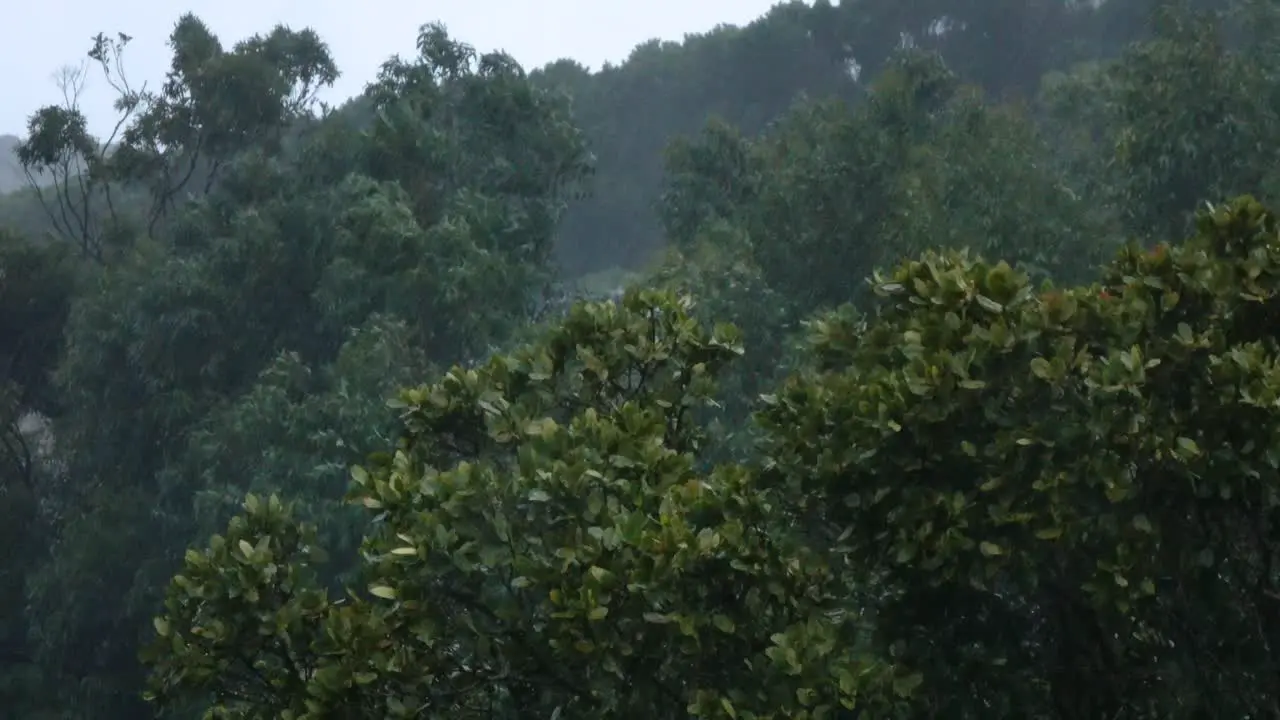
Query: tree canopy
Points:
[871, 360]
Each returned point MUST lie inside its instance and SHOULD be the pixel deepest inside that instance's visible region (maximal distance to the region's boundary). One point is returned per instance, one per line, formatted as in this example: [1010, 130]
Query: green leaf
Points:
[905, 685]
[723, 623]
[990, 549]
[359, 475]
[382, 591]
[1041, 368]
[989, 305]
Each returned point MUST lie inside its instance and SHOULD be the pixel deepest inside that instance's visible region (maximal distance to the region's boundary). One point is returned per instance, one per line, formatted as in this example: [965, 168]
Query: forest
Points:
[872, 360]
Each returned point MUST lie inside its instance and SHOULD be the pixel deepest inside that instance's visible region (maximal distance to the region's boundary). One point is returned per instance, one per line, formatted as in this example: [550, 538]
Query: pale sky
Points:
[38, 38]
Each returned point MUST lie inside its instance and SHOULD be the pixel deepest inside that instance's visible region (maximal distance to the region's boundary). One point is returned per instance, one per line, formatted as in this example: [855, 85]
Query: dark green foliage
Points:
[1066, 495]
[340, 259]
[544, 545]
[921, 480]
[37, 283]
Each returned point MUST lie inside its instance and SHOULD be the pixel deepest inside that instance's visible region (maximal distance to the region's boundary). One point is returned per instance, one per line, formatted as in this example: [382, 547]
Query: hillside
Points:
[922, 383]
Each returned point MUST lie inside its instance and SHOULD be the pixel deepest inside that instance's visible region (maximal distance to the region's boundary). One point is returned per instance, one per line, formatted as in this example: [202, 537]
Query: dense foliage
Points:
[944, 383]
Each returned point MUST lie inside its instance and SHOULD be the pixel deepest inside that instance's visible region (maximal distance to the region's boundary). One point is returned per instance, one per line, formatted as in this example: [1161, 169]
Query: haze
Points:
[38, 39]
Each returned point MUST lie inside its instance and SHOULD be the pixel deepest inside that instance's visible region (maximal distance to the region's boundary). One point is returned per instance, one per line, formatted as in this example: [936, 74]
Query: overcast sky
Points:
[37, 38]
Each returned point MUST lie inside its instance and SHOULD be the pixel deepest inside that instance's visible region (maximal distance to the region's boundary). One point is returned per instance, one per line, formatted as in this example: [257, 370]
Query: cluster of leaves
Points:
[256, 273]
[544, 544]
[213, 105]
[833, 191]
[37, 283]
[1185, 116]
[36, 287]
[248, 341]
[793, 221]
[1067, 496]
[750, 75]
[631, 111]
[981, 500]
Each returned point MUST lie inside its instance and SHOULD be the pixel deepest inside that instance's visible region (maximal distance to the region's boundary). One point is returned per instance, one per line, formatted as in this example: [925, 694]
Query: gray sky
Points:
[38, 38]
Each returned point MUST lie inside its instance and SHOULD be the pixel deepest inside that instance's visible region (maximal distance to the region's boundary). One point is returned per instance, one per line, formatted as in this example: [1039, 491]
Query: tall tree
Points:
[170, 143]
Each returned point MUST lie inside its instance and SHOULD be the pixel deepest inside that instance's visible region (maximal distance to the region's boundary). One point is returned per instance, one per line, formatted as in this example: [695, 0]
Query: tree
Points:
[663, 90]
[297, 430]
[772, 228]
[22, 533]
[833, 191]
[1182, 117]
[544, 544]
[36, 284]
[419, 239]
[60, 158]
[918, 538]
[969, 495]
[1065, 497]
[214, 104]
[709, 178]
[1184, 139]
